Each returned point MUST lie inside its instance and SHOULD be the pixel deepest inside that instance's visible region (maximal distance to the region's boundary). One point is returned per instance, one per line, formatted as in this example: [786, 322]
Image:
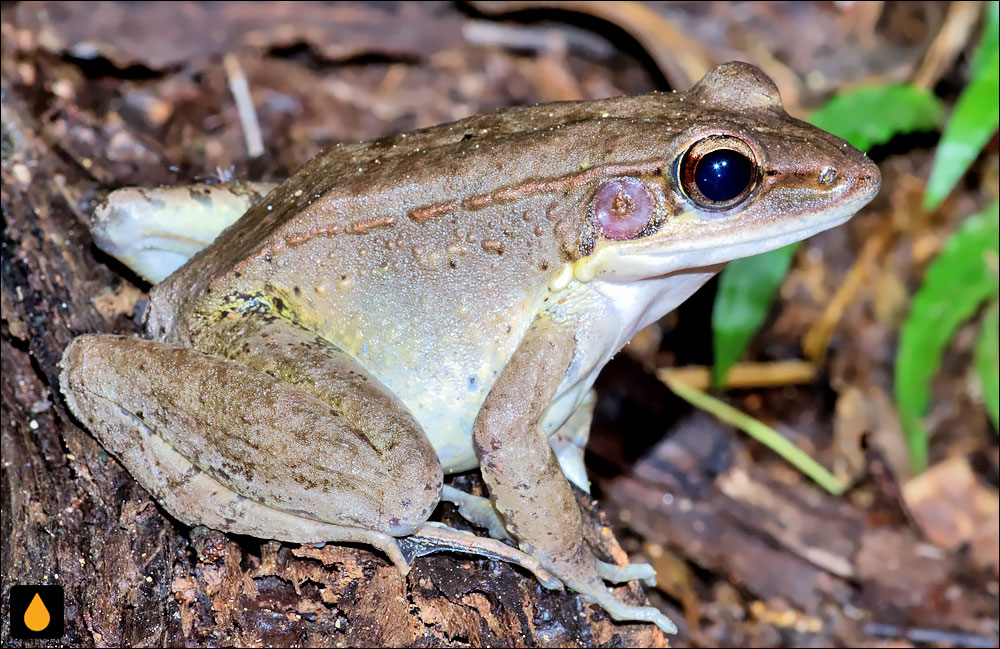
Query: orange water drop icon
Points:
[36, 616]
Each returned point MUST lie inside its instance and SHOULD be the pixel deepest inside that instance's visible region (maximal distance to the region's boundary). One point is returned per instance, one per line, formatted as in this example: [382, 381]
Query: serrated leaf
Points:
[962, 276]
[975, 118]
[988, 362]
[742, 302]
[871, 115]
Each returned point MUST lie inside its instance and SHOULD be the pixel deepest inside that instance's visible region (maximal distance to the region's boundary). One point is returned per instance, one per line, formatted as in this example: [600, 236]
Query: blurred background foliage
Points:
[958, 282]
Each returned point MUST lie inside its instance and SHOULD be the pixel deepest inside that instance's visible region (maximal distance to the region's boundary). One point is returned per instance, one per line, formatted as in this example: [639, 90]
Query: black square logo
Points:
[36, 612]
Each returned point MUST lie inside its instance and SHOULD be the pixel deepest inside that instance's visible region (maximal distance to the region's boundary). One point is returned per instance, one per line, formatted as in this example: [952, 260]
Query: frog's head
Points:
[743, 178]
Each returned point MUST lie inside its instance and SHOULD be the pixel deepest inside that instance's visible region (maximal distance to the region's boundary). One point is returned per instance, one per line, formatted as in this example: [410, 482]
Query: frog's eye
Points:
[622, 208]
[718, 172]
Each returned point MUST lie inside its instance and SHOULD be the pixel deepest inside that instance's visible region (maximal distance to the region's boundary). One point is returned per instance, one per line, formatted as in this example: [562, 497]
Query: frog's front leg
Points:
[568, 443]
[526, 483]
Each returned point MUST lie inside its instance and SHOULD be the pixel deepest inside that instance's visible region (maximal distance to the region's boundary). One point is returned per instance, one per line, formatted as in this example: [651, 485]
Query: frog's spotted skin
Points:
[441, 301]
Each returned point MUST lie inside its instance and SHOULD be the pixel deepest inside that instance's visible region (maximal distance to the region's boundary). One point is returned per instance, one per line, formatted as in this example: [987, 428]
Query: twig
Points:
[929, 636]
[948, 44]
[244, 105]
[744, 375]
[817, 339]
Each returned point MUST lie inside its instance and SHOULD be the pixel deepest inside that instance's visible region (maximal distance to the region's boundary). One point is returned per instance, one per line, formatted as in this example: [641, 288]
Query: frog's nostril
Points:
[868, 181]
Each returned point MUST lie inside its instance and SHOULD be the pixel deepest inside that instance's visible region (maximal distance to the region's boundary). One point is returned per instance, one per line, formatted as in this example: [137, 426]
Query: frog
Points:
[320, 353]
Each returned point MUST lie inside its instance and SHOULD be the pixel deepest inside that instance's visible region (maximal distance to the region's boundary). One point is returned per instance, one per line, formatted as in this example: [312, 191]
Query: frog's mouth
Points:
[719, 250]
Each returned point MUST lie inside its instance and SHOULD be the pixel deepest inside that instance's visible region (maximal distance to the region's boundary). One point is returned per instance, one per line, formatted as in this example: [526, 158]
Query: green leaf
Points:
[760, 432]
[974, 121]
[988, 362]
[975, 118]
[989, 42]
[962, 276]
[746, 288]
[870, 115]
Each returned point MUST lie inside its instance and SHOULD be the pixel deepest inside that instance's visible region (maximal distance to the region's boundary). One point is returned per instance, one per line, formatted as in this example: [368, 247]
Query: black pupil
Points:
[723, 174]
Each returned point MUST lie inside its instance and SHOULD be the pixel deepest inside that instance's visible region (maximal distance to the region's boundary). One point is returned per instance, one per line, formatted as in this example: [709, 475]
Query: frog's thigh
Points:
[207, 436]
[155, 230]
[526, 483]
[388, 453]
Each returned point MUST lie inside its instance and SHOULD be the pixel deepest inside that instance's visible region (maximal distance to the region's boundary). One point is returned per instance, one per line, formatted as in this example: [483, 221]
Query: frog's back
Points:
[535, 163]
[477, 170]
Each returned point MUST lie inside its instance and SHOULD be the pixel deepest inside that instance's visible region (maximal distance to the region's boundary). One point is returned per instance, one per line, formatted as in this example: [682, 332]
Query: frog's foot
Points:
[477, 510]
[155, 230]
[388, 545]
[619, 574]
[436, 537]
[595, 592]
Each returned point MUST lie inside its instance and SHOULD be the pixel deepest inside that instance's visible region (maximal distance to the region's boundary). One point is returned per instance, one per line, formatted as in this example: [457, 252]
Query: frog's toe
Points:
[618, 574]
[390, 546]
[437, 537]
[592, 589]
[622, 612]
[477, 510]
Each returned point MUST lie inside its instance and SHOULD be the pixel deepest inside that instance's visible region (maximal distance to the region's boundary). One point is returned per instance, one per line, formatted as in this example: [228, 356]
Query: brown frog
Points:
[436, 302]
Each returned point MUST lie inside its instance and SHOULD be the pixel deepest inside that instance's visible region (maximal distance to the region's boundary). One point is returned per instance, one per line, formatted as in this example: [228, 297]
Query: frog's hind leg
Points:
[266, 430]
[194, 496]
[332, 457]
[155, 230]
[283, 350]
[437, 537]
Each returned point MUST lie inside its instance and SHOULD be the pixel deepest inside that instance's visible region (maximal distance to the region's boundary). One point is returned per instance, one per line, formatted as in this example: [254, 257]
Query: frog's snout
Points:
[864, 182]
[856, 179]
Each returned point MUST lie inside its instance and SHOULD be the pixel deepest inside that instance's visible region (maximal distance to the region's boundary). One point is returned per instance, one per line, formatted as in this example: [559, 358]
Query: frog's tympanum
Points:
[437, 302]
